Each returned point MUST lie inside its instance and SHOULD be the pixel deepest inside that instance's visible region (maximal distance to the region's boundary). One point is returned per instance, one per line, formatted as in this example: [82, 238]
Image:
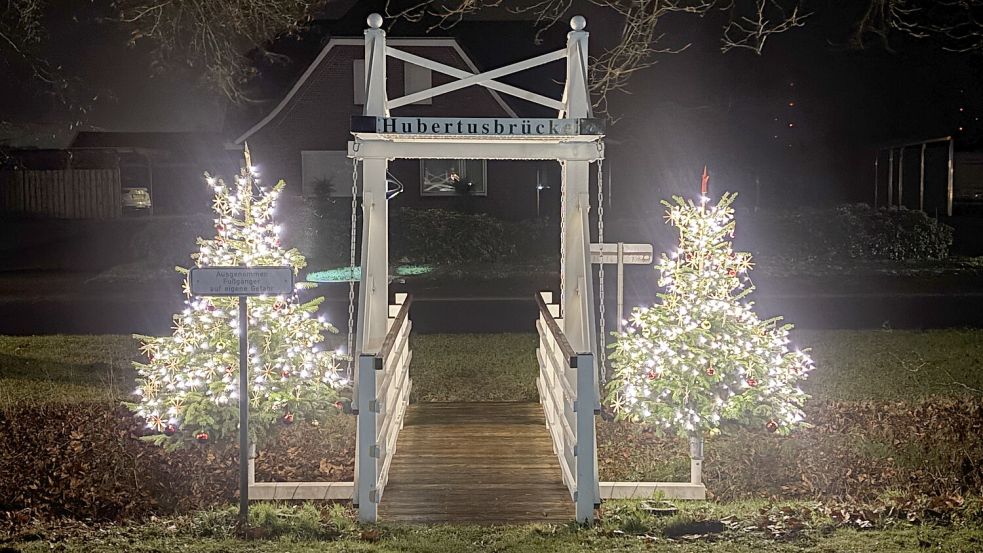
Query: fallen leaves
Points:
[854, 452]
[86, 461]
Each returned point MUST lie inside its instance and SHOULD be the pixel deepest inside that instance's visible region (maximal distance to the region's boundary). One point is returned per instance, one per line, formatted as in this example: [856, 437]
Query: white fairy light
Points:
[701, 351]
[198, 363]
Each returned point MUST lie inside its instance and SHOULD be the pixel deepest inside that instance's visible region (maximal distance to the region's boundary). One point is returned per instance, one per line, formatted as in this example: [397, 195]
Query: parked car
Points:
[136, 200]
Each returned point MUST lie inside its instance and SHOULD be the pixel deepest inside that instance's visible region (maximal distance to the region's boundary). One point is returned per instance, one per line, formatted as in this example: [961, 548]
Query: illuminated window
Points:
[453, 177]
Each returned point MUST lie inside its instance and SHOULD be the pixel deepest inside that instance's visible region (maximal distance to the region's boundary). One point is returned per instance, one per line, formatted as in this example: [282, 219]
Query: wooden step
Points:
[486, 463]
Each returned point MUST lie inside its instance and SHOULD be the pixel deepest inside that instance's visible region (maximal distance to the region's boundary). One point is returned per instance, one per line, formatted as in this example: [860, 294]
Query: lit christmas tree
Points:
[700, 356]
[188, 389]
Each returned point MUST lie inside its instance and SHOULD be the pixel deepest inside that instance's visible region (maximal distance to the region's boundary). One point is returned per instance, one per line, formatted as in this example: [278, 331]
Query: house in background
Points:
[105, 175]
[168, 165]
[304, 139]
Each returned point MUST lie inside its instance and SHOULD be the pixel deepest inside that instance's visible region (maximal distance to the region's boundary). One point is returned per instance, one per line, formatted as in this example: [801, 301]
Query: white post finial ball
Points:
[578, 23]
[374, 20]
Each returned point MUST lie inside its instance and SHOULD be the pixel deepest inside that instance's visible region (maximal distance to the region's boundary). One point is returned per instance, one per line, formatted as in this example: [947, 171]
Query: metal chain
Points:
[603, 342]
[351, 273]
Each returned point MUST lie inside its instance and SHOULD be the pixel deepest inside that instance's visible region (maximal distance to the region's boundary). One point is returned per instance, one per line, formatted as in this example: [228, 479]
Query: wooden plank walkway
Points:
[485, 463]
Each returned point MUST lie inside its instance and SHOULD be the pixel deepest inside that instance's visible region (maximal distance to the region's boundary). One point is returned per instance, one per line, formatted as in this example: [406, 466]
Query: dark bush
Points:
[169, 241]
[899, 234]
[853, 231]
[319, 227]
[445, 237]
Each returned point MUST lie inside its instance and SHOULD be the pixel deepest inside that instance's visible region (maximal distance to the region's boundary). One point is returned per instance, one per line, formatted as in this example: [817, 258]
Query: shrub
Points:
[167, 241]
[446, 237]
[899, 234]
[852, 231]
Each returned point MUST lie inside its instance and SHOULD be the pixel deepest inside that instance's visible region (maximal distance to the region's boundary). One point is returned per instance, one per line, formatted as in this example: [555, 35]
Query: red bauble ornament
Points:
[170, 429]
[287, 418]
[229, 369]
[732, 272]
[277, 306]
[285, 373]
[772, 426]
[202, 437]
[339, 405]
[752, 382]
[652, 375]
[209, 308]
[711, 371]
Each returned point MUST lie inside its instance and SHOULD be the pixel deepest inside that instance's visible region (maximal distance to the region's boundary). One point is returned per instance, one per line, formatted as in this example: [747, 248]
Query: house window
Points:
[358, 81]
[415, 79]
[453, 177]
[326, 173]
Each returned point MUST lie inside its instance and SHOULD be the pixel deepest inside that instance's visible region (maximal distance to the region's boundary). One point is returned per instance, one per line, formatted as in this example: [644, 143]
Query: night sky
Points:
[797, 122]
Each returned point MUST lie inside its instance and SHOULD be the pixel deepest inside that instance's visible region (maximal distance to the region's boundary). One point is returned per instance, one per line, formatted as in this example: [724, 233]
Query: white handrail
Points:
[382, 401]
[567, 392]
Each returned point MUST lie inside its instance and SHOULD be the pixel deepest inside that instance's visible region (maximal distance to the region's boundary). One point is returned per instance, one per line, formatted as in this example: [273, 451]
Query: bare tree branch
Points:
[215, 36]
[956, 24]
[21, 30]
[750, 26]
[769, 17]
[22, 35]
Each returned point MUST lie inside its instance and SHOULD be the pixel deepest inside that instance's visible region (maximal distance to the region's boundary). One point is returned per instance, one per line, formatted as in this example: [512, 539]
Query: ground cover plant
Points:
[896, 415]
[748, 526]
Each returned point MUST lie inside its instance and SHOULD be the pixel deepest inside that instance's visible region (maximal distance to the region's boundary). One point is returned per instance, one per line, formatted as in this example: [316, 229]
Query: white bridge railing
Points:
[382, 392]
[567, 391]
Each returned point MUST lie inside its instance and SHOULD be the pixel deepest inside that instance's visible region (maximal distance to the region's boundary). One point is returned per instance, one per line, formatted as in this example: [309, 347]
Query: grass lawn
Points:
[897, 418]
[851, 365]
[66, 368]
[739, 527]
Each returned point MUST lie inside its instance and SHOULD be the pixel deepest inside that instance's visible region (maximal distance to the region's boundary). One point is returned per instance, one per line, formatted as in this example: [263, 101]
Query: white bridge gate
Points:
[568, 341]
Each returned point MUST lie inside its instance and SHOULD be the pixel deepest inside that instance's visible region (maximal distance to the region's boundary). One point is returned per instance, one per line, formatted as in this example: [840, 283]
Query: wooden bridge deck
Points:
[475, 462]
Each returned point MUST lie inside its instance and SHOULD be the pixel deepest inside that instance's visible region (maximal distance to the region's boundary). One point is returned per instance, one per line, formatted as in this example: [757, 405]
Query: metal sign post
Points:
[621, 254]
[242, 282]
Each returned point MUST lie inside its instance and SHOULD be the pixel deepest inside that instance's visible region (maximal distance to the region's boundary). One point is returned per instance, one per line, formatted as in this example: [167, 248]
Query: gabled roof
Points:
[429, 42]
[171, 141]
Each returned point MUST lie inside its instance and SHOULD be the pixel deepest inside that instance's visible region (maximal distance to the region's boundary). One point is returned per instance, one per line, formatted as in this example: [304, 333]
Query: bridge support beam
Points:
[373, 290]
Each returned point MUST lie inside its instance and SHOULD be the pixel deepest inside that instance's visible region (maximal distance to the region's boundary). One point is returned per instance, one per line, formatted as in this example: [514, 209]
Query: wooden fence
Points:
[64, 193]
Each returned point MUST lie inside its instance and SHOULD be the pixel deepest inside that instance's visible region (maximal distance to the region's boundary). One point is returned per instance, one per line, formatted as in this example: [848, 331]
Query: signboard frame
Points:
[279, 281]
[477, 126]
[621, 254]
[197, 277]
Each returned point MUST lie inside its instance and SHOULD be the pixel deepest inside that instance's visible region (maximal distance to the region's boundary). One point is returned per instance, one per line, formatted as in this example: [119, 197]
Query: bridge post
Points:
[575, 183]
[373, 291]
[586, 452]
[578, 304]
[367, 447]
[373, 295]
